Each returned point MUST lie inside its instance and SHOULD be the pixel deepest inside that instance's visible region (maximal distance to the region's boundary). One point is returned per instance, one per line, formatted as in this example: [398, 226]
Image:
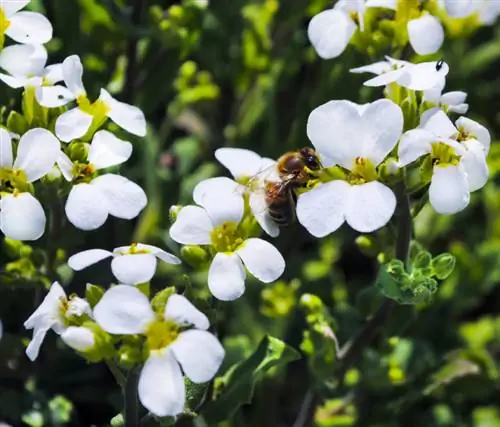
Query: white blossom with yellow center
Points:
[357, 138]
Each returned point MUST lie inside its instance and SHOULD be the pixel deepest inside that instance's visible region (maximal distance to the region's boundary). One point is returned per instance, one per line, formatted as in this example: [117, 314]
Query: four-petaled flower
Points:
[217, 222]
[357, 138]
[131, 265]
[170, 341]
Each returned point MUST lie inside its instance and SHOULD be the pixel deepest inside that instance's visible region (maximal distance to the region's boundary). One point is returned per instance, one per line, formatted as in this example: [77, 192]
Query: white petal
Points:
[14, 82]
[192, 226]
[86, 207]
[454, 98]
[459, 108]
[29, 28]
[449, 190]
[330, 125]
[262, 259]
[322, 210]
[371, 206]
[180, 309]
[424, 76]
[459, 8]
[375, 68]
[78, 338]
[329, 32]
[159, 253]
[224, 207]
[439, 124]
[86, 258]
[107, 150]
[48, 308]
[123, 310]
[240, 162]
[10, 7]
[383, 124]
[33, 348]
[53, 74]
[53, 96]
[474, 163]
[161, 386]
[21, 217]
[37, 153]
[125, 198]
[260, 211]
[389, 4]
[476, 131]
[199, 353]
[72, 69]
[134, 269]
[23, 60]
[124, 115]
[426, 34]
[213, 186]
[65, 166]
[72, 124]
[6, 158]
[414, 144]
[226, 277]
[386, 78]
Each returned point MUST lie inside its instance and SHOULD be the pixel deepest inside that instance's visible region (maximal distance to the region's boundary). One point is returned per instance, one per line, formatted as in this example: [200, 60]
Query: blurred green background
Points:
[241, 73]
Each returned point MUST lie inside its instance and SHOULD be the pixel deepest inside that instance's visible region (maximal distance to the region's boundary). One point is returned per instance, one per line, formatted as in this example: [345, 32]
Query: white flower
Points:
[131, 265]
[23, 27]
[423, 76]
[426, 34]
[76, 122]
[93, 199]
[26, 66]
[21, 214]
[357, 138]
[451, 102]
[486, 10]
[216, 222]
[125, 310]
[458, 158]
[52, 314]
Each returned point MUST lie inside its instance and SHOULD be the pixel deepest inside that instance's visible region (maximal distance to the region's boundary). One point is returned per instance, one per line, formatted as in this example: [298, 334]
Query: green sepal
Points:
[196, 256]
[159, 301]
[16, 123]
[93, 294]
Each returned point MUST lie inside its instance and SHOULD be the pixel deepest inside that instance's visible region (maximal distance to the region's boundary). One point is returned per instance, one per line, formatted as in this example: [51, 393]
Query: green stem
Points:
[131, 404]
[117, 374]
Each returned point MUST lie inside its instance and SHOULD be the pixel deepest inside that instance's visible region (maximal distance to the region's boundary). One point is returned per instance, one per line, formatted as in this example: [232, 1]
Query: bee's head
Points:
[310, 158]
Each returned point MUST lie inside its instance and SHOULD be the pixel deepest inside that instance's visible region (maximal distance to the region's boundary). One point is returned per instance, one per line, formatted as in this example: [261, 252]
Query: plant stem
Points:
[117, 374]
[131, 404]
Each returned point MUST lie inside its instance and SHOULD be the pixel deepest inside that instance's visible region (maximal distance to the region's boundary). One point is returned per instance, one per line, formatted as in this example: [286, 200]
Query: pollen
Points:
[226, 237]
[161, 333]
[363, 171]
[444, 155]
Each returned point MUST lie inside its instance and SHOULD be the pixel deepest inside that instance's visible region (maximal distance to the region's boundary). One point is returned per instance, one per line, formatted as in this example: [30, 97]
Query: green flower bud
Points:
[443, 265]
[367, 245]
[16, 123]
[173, 212]
[194, 255]
[13, 247]
[77, 151]
[396, 269]
[117, 421]
[160, 299]
[422, 260]
[93, 294]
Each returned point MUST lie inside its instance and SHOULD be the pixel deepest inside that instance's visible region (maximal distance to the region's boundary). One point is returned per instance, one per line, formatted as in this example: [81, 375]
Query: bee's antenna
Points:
[439, 64]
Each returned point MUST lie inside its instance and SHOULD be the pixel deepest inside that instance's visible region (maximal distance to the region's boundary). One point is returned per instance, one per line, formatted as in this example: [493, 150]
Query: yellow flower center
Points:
[443, 155]
[363, 171]
[83, 172]
[161, 333]
[4, 22]
[13, 179]
[226, 237]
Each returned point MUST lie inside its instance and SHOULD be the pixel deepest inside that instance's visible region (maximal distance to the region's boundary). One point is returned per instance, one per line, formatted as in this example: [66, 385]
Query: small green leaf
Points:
[236, 387]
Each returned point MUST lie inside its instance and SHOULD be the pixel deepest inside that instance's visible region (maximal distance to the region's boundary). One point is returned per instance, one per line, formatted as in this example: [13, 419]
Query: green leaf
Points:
[236, 387]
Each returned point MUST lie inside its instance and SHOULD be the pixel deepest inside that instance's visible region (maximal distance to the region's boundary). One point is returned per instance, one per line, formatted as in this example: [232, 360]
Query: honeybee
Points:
[294, 169]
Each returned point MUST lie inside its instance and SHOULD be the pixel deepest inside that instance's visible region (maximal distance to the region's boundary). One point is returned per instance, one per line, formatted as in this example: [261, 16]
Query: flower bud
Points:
[422, 260]
[173, 212]
[194, 255]
[443, 265]
[367, 245]
[93, 294]
[79, 338]
[159, 301]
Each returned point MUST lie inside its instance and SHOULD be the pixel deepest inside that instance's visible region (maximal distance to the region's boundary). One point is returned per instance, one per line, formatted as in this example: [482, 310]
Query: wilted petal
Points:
[87, 258]
[72, 70]
[86, 207]
[123, 310]
[36, 342]
[322, 210]
[370, 207]
[329, 32]
[449, 190]
[180, 310]
[426, 34]
[107, 150]
[199, 353]
[474, 164]
[226, 277]
[6, 158]
[192, 226]
[134, 268]
[476, 131]
[124, 115]
[161, 386]
[29, 28]
[262, 259]
[37, 153]
[240, 162]
[72, 124]
[125, 199]
[414, 144]
[53, 96]
[78, 338]
[21, 217]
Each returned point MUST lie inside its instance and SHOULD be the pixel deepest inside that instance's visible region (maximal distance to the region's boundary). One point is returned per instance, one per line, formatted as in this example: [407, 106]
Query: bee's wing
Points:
[268, 172]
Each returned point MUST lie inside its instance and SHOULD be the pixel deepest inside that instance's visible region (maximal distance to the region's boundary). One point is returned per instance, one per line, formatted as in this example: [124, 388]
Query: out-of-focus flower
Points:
[23, 26]
[451, 102]
[372, 131]
[458, 158]
[487, 11]
[21, 214]
[216, 222]
[131, 265]
[125, 310]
